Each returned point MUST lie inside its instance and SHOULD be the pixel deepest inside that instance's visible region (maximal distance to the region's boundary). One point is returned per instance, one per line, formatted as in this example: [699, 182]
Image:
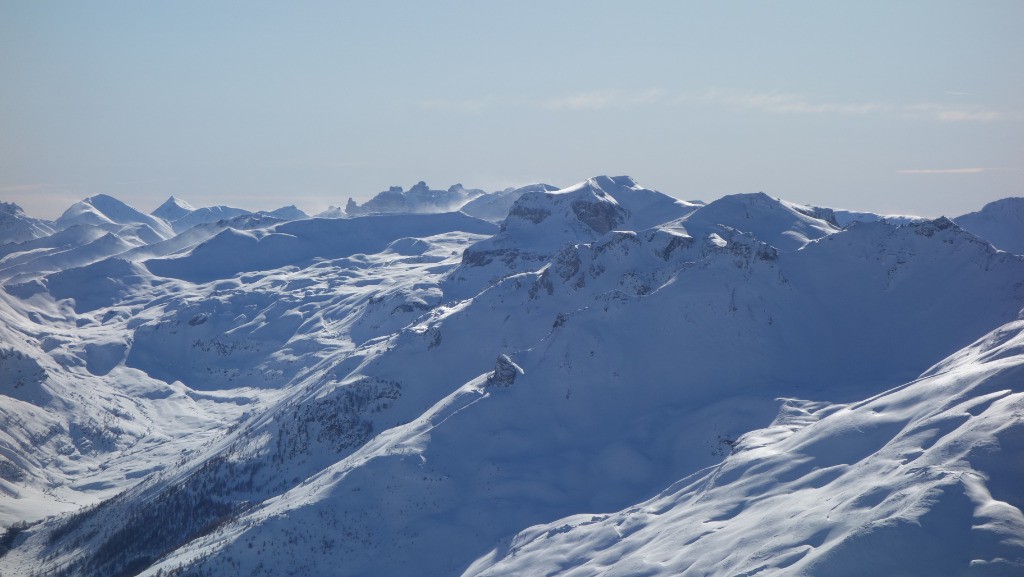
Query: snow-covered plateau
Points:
[593, 380]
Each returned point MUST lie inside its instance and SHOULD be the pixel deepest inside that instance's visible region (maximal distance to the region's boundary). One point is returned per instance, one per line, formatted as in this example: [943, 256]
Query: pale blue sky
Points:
[895, 106]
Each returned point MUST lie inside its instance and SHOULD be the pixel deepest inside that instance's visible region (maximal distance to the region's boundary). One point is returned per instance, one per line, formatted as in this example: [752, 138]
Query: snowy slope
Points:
[495, 206]
[908, 482]
[331, 212]
[233, 251]
[17, 227]
[290, 212]
[110, 214]
[845, 218]
[77, 426]
[430, 394]
[206, 215]
[182, 216]
[1000, 222]
[426, 495]
[782, 224]
[33, 265]
[541, 222]
[172, 209]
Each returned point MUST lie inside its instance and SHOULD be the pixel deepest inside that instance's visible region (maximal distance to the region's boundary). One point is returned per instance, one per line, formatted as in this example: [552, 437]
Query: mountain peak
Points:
[11, 209]
[1013, 203]
[16, 226]
[784, 225]
[1000, 222]
[106, 211]
[172, 209]
[420, 198]
[612, 183]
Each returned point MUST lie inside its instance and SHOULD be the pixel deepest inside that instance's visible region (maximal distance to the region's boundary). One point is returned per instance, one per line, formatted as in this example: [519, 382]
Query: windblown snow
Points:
[593, 380]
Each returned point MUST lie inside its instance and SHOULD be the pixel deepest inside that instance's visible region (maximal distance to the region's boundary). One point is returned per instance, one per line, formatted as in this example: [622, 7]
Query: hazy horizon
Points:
[911, 107]
[52, 212]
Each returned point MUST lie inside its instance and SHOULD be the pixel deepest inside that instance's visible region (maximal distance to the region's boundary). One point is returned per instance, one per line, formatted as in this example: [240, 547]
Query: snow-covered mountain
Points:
[418, 199]
[495, 206]
[611, 382]
[331, 212]
[206, 215]
[914, 481]
[1000, 222]
[182, 216]
[846, 217]
[290, 212]
[112, 215]
[16, 226]
[172, 209]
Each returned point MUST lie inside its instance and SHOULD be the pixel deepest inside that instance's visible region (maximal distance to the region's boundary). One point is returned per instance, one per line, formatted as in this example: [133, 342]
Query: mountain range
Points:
[597, 379]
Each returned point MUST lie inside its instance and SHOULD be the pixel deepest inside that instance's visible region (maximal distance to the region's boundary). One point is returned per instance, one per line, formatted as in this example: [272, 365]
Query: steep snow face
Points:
[909, 482]
[496, 205]
[1000, 222]
[172, 209]
[17, 227]
[110, 214]
[418, 199]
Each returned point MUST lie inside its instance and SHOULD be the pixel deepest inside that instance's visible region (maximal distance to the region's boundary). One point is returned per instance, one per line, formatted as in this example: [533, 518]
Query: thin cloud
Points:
[945, 113]
[777, 103]
[470, 105]
[581, 101]
[971, 170]
[603, 99]
[578, 101]
[781, 103]
[789, 103]
[30, 187]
